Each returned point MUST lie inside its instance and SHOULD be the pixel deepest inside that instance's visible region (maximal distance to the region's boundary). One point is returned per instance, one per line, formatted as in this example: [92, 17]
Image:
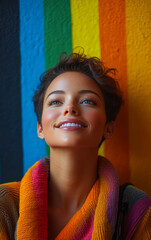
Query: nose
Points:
[71, 110]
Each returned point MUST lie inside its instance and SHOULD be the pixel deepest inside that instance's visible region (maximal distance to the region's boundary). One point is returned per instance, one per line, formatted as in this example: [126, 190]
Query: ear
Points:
[40, 131]
[109, 129]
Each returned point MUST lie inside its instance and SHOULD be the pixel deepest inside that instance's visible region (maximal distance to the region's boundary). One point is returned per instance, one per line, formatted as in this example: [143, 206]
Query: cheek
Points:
[48, 118]
[98, 119]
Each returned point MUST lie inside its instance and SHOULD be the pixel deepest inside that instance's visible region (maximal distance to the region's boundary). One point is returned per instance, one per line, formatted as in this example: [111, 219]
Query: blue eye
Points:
[56, 102]
[88, 102]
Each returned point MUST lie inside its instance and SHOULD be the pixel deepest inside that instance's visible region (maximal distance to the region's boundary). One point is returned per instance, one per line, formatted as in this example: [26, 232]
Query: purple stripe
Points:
[113, 192]
[135, 215]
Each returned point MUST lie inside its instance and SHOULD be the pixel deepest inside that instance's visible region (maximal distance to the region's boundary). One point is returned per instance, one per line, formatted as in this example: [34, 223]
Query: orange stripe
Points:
[113, 51]
[78, 219]
[138, 16]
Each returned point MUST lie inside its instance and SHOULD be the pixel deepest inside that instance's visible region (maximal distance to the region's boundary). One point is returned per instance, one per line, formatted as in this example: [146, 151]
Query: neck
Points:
[73, 174]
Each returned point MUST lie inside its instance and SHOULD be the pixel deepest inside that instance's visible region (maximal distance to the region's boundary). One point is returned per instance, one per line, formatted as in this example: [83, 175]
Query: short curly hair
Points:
[92, 67]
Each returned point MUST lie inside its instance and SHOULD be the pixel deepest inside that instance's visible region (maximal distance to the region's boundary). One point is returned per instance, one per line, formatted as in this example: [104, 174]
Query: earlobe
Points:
[40, 131]
[109, 129]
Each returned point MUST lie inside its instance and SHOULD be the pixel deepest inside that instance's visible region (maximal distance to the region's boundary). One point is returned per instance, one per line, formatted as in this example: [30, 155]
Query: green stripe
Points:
[57, 28]
[57, 25]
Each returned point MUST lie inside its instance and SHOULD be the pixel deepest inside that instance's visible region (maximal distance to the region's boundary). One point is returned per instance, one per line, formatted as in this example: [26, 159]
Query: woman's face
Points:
[73, 112]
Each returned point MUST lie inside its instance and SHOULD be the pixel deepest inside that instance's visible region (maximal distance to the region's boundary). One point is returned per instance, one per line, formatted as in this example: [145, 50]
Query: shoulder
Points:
[143, 228]
[9, 192]
[138, 215]
[9, 207]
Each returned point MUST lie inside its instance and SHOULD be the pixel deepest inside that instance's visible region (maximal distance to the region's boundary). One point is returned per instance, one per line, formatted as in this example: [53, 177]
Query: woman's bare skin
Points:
[73, 124]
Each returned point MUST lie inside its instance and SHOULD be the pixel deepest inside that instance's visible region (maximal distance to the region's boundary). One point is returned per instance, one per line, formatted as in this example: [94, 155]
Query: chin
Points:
[74, 142]
[76, 145]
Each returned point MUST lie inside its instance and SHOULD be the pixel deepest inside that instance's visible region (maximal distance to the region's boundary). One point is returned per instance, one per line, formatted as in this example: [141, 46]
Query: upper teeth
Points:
[70, 125]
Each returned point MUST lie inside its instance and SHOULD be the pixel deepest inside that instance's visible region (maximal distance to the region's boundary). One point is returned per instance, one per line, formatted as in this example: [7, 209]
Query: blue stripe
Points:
[32, 65]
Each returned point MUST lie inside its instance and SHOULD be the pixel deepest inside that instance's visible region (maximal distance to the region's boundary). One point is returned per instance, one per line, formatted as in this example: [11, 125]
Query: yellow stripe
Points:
[85, 29]
[85, 26]
[138, 18]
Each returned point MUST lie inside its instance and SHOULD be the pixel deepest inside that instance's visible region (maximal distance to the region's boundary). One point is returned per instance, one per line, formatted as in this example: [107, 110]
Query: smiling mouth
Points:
[71, 125]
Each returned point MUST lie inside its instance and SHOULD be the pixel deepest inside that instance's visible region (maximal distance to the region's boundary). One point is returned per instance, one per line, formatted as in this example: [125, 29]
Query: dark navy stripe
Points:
[10, 101]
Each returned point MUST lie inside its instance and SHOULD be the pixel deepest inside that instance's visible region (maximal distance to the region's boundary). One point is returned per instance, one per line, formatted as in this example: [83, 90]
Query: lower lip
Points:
[71, 128]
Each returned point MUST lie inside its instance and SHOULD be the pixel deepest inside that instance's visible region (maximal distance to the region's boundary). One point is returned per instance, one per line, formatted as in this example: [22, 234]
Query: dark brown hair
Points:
[92, 67]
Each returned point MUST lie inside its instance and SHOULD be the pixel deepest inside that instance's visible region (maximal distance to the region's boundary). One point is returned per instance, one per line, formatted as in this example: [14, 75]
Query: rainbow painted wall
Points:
[34, 33]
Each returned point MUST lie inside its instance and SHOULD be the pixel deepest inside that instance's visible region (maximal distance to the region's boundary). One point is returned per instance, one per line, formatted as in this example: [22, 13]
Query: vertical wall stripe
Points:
[57, 24]
[10, 102]
[138, 15]
[58, 37]
[113, 52]
[32, 65]
[85, 29]
[84, 34]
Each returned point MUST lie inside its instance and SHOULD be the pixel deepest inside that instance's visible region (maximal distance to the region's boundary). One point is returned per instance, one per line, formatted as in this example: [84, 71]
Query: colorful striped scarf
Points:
[95, 220]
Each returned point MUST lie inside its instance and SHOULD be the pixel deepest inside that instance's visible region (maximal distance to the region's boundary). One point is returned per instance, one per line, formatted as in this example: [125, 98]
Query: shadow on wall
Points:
[139, 140]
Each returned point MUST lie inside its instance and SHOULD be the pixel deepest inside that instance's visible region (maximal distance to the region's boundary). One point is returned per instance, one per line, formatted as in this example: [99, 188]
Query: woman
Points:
[75, 194]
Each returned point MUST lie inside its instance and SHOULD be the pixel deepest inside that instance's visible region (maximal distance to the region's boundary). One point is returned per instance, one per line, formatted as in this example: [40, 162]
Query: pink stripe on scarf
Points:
[85, 231]
[40, 187]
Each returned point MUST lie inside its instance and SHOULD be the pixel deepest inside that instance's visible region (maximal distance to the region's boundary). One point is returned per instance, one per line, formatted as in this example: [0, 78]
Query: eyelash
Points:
[88, 101]
[54, 102]
[85, 101]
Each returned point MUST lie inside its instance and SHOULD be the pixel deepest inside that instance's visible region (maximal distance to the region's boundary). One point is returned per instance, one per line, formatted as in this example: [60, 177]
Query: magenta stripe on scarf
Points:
[85, 231]
[40, 188]
[135, 215]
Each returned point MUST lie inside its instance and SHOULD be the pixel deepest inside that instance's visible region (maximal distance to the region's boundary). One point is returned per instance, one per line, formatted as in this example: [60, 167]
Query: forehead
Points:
[73, 81]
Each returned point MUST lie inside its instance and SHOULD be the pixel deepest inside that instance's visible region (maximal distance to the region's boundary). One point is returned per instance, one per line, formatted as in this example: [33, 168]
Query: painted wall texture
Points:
[34, 33]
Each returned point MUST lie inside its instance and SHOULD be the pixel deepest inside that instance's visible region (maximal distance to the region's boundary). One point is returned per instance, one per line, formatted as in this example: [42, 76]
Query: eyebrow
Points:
[80, 92]
[88, 91]
[56, 92]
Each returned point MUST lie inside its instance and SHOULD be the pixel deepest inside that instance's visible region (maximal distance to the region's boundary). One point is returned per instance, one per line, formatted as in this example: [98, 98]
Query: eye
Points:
[88, 102]
[54, 102]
